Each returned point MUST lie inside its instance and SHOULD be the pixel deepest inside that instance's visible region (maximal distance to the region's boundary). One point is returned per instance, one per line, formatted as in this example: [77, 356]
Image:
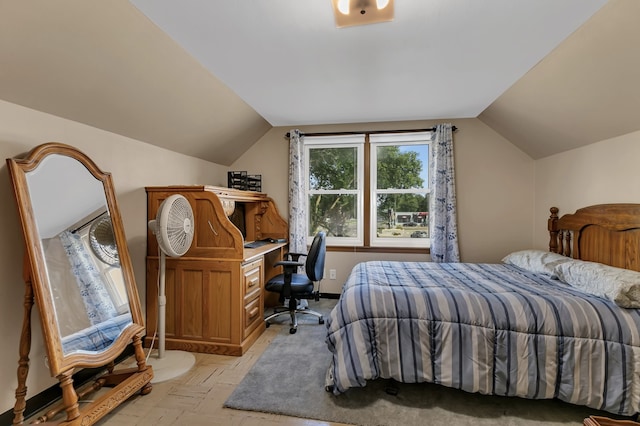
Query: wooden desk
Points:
[215, 292]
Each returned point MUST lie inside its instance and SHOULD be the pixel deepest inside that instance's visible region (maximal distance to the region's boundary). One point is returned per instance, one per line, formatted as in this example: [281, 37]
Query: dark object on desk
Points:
[256, 244]
[242, 180]
[260, 243]
[293, 286]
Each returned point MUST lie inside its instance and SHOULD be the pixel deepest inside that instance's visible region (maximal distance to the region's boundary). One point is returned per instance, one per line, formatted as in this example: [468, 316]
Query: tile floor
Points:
[196, 397]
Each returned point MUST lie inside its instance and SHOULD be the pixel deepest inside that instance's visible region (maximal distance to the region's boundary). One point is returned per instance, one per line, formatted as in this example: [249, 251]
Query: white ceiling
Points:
[436, 59]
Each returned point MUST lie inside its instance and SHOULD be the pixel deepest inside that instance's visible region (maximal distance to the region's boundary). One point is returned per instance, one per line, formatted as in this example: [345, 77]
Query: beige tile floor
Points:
[196, 397]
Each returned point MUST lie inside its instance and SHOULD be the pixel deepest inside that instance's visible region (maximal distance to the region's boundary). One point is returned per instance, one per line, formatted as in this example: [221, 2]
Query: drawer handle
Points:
[253, 313]
[253, 282]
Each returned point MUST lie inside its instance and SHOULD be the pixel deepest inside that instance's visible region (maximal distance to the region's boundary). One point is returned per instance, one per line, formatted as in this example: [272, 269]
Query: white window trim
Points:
[375, 140]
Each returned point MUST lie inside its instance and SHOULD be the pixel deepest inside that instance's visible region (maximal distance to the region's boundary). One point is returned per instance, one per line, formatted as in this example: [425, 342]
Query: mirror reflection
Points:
[82, 263]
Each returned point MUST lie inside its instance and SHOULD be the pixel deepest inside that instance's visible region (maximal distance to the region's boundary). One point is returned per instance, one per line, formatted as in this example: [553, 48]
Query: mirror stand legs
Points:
[125, 382]
[142, 363]
[25, 348]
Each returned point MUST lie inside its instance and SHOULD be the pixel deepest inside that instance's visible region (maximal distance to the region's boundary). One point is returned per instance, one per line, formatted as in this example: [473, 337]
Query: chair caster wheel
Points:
[328, 388]
[321, 321]
[292, 330]
[267, 324]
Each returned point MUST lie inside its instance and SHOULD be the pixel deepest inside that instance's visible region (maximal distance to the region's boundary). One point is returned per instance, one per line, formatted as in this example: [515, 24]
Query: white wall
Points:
[494, 182]
[133, 165]
[600, 173]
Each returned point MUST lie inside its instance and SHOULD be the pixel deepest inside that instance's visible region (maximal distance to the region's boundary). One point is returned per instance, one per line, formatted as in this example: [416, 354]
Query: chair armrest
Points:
[294, 256]
[288, 264]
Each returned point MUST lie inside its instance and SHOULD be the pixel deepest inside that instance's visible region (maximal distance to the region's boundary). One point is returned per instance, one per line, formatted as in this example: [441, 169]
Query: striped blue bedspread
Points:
[487, 328]
[96, 337]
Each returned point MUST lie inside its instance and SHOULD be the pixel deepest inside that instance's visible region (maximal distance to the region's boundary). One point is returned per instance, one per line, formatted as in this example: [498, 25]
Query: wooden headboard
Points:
[604, 233]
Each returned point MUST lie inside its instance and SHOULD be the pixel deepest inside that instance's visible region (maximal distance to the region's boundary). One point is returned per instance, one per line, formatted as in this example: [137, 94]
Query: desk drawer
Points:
[252, 279]
[252, 315]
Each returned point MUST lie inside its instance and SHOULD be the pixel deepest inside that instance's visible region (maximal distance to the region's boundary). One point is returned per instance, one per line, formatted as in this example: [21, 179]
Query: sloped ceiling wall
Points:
[585, 91]
[111, 68]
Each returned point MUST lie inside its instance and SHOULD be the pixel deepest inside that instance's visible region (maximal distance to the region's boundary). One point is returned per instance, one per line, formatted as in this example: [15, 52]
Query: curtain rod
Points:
[431, 129]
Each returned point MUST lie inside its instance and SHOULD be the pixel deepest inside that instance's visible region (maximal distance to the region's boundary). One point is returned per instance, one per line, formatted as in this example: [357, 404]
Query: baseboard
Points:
[53, 394]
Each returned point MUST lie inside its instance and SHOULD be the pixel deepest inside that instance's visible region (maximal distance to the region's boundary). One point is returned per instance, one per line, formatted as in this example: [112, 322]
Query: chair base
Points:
[293, 314]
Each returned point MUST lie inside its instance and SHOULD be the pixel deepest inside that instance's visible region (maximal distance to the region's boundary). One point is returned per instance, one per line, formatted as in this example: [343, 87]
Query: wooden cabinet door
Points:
[203, 303]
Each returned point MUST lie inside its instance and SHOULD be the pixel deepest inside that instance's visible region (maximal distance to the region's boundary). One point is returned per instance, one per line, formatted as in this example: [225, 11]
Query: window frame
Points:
[339, 141]
[366, 190]
[396, 139]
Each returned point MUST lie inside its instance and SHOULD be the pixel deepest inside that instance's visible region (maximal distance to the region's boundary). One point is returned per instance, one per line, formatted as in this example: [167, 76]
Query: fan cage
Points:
[174, 222]
[102, 240]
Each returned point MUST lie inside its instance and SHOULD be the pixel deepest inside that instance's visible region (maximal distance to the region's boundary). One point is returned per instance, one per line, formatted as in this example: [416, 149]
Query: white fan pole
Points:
[162, 307]
[173, 219]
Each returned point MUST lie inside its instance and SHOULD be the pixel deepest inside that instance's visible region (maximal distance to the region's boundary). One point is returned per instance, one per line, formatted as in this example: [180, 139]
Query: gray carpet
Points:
[289, 379]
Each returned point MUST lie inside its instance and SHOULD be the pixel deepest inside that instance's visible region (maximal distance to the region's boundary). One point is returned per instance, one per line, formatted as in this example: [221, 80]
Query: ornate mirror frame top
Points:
[44, 284]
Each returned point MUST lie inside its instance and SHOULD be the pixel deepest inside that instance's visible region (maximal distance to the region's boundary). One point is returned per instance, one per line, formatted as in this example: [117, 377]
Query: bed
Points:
[539, 325]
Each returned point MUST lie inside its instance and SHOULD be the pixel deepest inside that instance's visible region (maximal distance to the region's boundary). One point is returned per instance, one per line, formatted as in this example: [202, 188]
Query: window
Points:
[369, 189]
[335, 188]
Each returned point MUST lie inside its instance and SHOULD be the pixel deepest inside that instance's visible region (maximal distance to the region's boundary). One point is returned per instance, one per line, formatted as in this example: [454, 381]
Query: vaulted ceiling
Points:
[208, 79]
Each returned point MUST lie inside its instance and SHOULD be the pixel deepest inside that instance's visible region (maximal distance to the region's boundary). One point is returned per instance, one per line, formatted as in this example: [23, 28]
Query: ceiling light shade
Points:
[360, 12]
[343, 6]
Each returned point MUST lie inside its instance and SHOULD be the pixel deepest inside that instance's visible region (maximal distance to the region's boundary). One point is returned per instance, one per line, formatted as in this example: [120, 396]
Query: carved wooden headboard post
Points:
[552, 226]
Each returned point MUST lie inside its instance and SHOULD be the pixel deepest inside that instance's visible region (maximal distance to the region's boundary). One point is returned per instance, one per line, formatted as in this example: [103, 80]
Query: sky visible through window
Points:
[423, 156]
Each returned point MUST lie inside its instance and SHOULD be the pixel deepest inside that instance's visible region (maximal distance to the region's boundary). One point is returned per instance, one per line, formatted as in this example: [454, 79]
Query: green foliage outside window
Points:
[335, 170]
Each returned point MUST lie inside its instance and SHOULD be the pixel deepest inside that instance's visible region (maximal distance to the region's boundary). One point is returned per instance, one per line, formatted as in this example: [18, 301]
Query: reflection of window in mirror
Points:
[77, 249]
[66, 296]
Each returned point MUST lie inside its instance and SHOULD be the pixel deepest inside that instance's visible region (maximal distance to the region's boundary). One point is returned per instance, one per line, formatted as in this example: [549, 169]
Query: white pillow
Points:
[619, 285]
[536, 261]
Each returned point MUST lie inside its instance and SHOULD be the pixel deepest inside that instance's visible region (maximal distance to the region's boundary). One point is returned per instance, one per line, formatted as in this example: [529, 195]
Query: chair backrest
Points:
[314, 265]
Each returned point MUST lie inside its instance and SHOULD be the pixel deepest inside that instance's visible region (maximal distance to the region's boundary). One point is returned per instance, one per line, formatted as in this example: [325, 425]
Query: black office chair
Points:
[294, 286]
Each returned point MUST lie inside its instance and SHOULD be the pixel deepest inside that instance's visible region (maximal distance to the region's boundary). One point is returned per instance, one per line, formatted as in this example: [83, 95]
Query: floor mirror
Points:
[78, 271]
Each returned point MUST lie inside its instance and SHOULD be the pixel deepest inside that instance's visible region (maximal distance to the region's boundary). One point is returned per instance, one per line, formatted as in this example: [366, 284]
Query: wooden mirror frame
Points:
[123, 383]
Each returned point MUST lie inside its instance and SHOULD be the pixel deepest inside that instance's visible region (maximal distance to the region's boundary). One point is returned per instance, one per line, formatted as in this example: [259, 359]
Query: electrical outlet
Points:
[332, 274]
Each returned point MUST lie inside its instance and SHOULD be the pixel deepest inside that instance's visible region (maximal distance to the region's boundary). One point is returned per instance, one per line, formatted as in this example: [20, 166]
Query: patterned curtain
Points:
[95, 296]
[442, 202]
[297, 194]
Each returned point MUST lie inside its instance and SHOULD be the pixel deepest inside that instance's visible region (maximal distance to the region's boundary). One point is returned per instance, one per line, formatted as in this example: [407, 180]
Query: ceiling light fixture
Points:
[360, 12]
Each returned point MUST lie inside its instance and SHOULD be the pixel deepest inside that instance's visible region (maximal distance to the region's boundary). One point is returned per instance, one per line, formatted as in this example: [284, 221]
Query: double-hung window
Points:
[399, 181]
[335, 188]
[369, 190]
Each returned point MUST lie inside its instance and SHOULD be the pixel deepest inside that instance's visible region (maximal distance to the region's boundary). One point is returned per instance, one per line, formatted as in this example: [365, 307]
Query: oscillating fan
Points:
[173, 228]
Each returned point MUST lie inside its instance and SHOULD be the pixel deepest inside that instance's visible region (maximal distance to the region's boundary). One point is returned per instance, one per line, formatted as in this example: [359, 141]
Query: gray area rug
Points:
[289, 379]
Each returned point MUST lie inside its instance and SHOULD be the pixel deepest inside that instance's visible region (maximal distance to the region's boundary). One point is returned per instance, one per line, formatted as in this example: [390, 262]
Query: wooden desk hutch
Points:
[215, 292]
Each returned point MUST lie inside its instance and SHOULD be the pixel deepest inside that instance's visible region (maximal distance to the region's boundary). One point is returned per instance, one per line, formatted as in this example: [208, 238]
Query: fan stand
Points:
[167, 364]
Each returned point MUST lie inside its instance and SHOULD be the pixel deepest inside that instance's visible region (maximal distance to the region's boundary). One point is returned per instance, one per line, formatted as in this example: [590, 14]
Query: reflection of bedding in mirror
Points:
[88, 290]
[89, 296]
